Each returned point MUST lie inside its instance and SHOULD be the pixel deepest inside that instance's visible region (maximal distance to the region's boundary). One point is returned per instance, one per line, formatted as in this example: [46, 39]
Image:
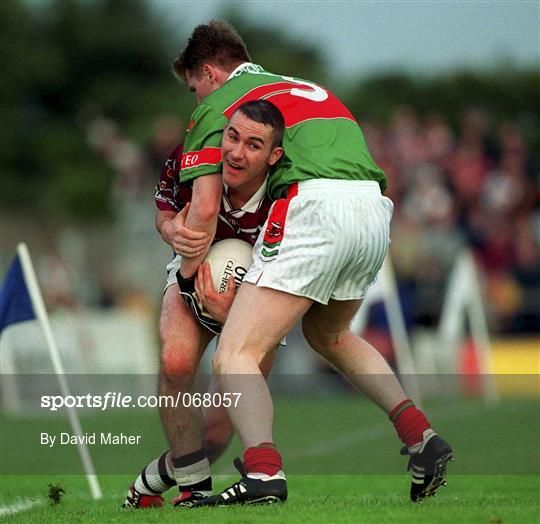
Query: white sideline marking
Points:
[17, 507]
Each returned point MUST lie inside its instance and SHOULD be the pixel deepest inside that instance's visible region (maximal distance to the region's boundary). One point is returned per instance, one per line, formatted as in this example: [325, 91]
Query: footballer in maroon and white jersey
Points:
[251, 144]
[244, 223]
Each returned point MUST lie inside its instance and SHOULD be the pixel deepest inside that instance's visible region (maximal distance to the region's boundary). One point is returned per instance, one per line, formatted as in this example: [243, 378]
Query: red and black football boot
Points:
[247, 490]
[135, 499]
[187, 499]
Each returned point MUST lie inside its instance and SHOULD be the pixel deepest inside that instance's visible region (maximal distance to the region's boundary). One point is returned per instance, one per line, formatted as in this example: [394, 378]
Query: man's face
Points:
[247, 151]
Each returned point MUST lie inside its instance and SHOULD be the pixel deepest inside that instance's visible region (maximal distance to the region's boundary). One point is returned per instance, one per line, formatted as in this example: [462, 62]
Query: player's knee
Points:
[313, 333]
[321, 340]
[176, 361]
[219, 362]
[223, 357]
[229, 360]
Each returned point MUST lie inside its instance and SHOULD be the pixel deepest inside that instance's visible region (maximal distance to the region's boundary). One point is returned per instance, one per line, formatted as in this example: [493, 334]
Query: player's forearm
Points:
[163, 223]
[203, 215]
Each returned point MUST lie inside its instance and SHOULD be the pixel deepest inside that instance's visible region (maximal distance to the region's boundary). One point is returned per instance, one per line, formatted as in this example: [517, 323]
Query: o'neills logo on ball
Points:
[237, 273]
[228, 271]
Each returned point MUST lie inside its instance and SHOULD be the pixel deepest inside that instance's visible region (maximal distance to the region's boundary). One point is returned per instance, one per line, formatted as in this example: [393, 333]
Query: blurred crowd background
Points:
[90, 110]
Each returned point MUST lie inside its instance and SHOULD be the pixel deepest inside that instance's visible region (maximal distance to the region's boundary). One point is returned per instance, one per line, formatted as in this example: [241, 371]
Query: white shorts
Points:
[172, 267]
[326, 240]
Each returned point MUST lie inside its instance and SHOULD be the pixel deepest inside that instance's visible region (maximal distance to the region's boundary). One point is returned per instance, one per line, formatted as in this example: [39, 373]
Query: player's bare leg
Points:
[183, 341]
[184, 434]
[217, 422]
[248, 336]
[218, 429]
[326, 328]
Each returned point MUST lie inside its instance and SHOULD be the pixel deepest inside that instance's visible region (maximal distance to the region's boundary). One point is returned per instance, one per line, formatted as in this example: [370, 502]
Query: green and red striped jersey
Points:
[322, 139]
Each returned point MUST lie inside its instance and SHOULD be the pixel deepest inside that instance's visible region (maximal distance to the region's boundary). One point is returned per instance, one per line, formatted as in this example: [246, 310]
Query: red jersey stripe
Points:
[275, 230]
[295, 107]
[208, 155]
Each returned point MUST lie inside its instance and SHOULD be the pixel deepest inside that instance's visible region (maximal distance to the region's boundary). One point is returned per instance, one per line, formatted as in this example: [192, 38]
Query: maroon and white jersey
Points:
[244, 223]
[166, 191]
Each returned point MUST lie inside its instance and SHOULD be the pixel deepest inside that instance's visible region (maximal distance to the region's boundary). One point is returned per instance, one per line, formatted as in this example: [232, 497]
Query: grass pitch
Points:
[341, 457]
[313, 498]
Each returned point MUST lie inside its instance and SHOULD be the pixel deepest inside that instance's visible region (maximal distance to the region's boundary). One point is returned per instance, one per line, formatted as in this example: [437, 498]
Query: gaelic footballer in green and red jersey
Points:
[322, 139]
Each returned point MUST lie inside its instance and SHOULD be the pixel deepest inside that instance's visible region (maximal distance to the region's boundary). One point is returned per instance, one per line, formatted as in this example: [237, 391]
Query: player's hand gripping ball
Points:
[226, 258]
[230, 257]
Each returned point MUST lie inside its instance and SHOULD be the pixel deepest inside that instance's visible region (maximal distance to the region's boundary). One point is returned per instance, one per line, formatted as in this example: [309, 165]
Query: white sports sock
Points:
[157, 477]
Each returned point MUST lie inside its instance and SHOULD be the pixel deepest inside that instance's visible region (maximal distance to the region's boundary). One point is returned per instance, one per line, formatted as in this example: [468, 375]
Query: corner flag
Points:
[15, 303]
[20, 299]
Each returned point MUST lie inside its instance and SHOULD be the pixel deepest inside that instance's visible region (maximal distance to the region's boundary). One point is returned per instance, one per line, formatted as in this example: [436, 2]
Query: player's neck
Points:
[240, 196]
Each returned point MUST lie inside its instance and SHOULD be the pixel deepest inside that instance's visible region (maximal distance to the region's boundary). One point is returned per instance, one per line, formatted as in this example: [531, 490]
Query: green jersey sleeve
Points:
[202, 146]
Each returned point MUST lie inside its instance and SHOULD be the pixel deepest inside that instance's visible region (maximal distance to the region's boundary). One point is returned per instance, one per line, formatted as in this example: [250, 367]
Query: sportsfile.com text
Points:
[119, 400]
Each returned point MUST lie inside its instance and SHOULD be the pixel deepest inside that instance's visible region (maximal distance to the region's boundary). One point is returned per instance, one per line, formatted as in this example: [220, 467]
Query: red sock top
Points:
[264, 458]
[409, 421]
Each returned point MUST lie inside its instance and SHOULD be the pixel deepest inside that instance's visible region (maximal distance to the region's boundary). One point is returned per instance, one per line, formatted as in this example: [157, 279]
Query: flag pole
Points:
[41, 314]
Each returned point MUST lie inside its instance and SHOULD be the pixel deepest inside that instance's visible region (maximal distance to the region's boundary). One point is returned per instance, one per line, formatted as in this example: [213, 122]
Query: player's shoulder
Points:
[204, 109]
[171, 164]
[205, 119]
[176, 153]
[246, 77]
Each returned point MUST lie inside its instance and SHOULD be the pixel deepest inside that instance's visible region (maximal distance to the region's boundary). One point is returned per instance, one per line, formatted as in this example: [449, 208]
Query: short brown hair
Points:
[264, 112]
[216, 42]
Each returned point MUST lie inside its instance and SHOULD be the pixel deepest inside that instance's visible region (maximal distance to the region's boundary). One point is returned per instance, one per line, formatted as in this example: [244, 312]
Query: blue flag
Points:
[15, 303]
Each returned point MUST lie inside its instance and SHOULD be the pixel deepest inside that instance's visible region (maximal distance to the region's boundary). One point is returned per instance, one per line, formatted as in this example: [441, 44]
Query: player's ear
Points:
[275, 155]
[208, 72]
[214, 73]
